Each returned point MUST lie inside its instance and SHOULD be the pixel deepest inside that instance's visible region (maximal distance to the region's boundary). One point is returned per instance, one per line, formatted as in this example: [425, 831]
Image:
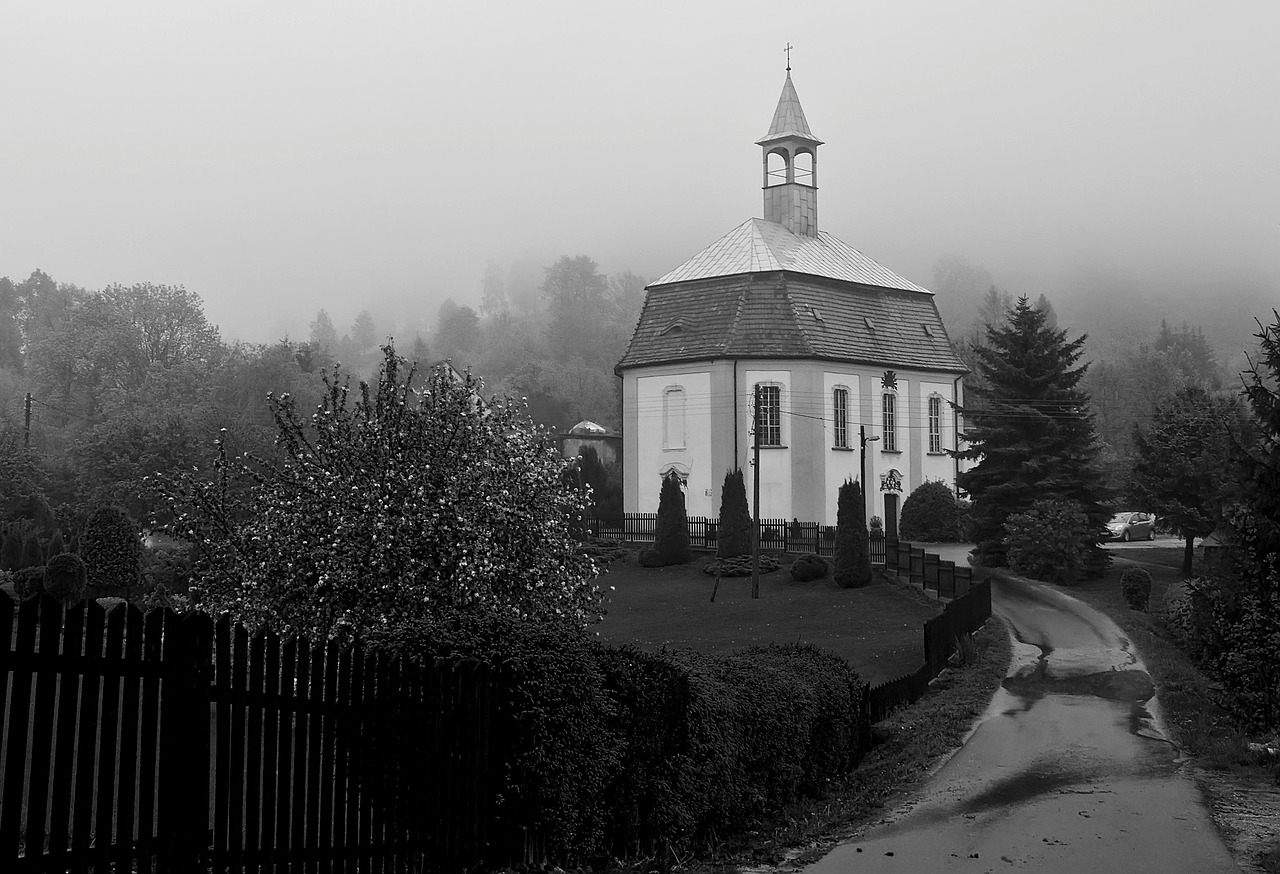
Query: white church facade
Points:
[838, 347]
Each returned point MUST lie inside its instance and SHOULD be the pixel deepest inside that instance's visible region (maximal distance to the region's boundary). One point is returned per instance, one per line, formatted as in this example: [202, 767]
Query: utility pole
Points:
[755, 502]
[26, 432]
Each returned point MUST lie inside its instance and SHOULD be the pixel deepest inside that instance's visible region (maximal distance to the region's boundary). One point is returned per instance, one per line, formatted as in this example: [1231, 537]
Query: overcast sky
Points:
[278, 157]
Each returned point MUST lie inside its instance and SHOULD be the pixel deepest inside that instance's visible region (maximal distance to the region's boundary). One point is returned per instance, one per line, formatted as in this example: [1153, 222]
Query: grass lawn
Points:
[878, 629]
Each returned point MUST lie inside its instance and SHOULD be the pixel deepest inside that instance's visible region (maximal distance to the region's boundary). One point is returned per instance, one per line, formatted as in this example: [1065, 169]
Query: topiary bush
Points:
[809, 567]
[1051, 541]
[64, 577]
[930, 514]
[671, 533]
[852, 560]
[735, 517]
[1135, 586]
[111, 548]
[650, 557]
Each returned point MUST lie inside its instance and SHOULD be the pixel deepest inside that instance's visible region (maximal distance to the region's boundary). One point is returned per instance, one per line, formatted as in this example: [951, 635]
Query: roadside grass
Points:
[877, 629]
[1240, 784]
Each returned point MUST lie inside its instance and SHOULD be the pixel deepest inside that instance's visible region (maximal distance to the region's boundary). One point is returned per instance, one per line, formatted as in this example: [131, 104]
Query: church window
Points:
[935, 423]
[889, 422]
[840, 417]
[770, 422]
[673, 418]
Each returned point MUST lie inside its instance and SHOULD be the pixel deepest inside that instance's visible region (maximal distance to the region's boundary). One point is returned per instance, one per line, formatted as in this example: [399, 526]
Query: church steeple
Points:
[790, 155]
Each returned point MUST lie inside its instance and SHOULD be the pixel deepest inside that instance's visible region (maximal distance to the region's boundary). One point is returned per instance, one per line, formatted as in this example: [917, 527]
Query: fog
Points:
[279, 158]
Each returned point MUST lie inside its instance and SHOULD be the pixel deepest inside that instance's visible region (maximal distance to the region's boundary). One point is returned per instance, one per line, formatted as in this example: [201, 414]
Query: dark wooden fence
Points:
[968, 609]
[166, 742]
[776, 535]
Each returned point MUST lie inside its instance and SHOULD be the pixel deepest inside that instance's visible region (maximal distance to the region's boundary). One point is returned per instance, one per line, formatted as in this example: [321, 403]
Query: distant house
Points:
[834, 342]
[607, 444]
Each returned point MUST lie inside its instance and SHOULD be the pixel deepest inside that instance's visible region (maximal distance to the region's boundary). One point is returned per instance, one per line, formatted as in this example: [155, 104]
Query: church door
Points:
[890, 516]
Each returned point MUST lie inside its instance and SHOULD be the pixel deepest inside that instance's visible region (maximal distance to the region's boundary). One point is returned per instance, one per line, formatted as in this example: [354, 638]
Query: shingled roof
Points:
[761, 291]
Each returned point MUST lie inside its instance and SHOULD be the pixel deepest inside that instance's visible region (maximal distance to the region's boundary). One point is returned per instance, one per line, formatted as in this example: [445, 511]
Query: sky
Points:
[279, 157]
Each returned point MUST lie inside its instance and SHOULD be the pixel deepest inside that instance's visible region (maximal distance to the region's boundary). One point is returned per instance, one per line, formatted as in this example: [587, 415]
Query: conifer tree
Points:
[1259, 529]
[671, 534]
[1030, 433]
[735, 517]
[32, 554]
[852, 561]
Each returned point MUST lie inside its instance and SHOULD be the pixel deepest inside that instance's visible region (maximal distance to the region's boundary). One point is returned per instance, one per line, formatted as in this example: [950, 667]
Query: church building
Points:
[841, 349]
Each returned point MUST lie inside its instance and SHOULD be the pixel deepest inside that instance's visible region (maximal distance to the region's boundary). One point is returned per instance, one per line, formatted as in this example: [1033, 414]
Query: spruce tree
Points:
[1031, 433]
[1259, 529]
[671, 535]
[735, 517]
[852, 561]
[32, 553]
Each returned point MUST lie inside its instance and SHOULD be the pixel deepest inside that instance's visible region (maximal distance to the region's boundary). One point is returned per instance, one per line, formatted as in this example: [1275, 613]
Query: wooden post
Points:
[755, 489]
[184, 741]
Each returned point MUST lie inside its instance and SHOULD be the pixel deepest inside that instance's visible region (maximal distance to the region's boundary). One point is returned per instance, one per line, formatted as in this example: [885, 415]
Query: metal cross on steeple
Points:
[788, 57]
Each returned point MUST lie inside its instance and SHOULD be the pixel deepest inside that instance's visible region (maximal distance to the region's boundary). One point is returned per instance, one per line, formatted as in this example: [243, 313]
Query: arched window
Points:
[673, 418]
[889, 421]
[935, 423]
[840, 417]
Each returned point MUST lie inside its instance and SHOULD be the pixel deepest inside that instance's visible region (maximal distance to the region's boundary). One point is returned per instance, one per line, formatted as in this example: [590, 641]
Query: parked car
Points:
[1130, 525]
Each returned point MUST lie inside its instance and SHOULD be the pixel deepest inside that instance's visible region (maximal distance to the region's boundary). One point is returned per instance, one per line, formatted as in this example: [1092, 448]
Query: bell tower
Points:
[790, 155]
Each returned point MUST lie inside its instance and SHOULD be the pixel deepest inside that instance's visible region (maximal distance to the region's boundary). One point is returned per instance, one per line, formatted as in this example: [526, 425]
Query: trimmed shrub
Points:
[671, 533]
[32, 554]
[930, 514]
[1051, 541]
[1135, 585]
[650, 557]
[111, 548]
[809, 567]
[741, 566]
[57, 545]
[852, 560]
[64, 577]
[563, 753]
[735, 517]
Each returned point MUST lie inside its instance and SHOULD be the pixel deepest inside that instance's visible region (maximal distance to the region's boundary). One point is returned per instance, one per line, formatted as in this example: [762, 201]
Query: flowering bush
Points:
[411, 499]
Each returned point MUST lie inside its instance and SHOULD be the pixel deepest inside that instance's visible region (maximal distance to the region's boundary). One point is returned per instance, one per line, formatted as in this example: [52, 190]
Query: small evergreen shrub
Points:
[671, 535]
[809, 567]
[740, 566]
[1051, 541]
[112, 551]
[930, 514]
[1135, 586]
[735, 517]
[64, 577]
[852, 560]
[32, 554]
[650, 557]
[56, 544]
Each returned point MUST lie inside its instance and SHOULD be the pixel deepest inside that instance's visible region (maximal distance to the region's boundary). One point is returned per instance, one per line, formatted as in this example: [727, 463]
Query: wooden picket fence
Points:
[166, 742]
[967, 610]
[776, 535]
